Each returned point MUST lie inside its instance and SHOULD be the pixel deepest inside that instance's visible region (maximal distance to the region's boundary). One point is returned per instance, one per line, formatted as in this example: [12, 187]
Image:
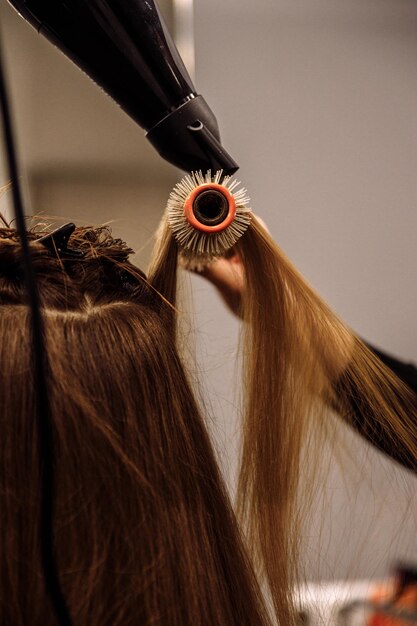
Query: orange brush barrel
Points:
[210, 208]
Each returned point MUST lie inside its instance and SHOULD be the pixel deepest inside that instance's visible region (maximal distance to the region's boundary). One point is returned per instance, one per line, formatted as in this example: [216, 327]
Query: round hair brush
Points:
[207, 215]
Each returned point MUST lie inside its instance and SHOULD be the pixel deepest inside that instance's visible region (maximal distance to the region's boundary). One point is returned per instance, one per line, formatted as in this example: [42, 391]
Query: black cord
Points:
[40, 365]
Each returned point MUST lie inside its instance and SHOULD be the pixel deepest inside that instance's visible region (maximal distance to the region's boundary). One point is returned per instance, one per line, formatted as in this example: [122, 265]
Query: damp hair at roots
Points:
[300, 363]
[143, 530]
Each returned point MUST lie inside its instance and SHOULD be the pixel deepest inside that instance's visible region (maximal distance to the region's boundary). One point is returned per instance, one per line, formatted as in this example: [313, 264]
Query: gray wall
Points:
[317, 101]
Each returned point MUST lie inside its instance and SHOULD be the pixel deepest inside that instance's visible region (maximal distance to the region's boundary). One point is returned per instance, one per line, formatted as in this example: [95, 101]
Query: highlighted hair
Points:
[300, 360]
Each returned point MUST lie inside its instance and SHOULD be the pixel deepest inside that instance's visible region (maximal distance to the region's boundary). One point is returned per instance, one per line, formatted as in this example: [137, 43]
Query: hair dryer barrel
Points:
[126, 48]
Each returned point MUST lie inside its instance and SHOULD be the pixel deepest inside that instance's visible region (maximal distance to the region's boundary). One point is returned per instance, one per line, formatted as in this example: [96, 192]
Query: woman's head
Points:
[143, 532]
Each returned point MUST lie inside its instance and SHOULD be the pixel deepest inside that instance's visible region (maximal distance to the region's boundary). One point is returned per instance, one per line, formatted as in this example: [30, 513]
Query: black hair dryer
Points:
[126, 48]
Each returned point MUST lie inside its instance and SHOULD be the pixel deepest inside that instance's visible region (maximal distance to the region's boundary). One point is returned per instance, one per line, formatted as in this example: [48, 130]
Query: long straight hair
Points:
[300, 360]
[144, 533]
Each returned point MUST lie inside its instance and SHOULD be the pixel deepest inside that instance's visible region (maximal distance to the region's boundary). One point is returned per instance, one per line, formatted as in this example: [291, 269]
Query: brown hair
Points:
[144, 533]
[299, 361]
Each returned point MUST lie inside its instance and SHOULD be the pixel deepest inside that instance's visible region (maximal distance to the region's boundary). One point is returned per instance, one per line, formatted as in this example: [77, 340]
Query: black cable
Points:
[40, 366]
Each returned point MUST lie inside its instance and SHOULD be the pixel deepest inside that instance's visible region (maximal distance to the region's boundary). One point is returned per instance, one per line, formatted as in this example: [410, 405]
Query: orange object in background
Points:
[399, 599]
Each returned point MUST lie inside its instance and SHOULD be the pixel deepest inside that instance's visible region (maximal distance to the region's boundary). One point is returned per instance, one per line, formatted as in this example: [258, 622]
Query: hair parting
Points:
[143, 529]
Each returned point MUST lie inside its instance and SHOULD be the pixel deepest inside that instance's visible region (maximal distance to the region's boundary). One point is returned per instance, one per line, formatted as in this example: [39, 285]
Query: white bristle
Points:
[199, 248]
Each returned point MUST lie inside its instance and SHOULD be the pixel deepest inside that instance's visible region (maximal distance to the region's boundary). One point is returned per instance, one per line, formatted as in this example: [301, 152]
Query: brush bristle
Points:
[200, 248]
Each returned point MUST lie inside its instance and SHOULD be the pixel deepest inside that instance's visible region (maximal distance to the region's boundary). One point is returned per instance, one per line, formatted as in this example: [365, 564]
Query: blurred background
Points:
[316, 100]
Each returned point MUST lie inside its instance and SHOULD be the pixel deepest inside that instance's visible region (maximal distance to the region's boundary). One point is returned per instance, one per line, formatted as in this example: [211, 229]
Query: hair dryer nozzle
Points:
[189, 138]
